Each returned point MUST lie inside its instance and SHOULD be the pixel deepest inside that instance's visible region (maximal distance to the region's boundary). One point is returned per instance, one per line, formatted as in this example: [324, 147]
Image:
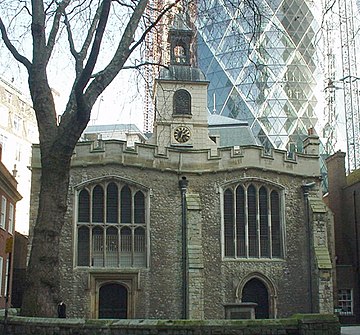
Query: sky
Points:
[121, 102]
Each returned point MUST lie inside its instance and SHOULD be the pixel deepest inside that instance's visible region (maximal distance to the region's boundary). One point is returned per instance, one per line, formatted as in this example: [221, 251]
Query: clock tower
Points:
[181, 117]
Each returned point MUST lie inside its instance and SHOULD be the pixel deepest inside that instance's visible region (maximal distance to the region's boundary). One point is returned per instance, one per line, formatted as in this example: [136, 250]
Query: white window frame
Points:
[3, 212]
[11, 218]
[348, 302]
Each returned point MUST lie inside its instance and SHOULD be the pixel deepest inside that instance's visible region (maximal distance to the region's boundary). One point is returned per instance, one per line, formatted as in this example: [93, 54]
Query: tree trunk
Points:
[43, 278]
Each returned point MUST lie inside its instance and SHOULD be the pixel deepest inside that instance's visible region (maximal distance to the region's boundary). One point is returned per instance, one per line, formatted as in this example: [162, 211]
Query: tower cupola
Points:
[180, 37]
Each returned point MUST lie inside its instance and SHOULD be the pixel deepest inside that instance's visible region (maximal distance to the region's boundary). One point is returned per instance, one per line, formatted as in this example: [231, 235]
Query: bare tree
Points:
[49, 20]
[85, 25]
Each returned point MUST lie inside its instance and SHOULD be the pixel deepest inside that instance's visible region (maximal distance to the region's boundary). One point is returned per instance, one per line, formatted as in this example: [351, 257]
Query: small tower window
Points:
[182, 102]
[180, 54]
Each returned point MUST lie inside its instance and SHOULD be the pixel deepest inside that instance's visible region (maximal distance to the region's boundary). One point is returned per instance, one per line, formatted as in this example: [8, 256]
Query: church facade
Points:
[181, 227]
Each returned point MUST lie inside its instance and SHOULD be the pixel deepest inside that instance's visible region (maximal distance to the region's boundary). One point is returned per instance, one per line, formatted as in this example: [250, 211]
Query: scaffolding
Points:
[350, 81]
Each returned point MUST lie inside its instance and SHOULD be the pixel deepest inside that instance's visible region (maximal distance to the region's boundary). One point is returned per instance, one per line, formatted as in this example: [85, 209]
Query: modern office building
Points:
[263, 69]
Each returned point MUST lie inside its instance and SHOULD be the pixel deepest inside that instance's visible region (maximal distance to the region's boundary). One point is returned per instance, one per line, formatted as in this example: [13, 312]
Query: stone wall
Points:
[297, 325]
[159, 291]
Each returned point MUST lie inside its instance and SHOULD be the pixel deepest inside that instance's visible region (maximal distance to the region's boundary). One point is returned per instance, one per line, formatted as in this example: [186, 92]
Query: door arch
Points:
[255, 291]
[113, 301]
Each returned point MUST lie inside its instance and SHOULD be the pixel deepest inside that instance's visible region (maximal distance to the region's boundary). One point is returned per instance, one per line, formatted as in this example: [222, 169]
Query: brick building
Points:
[344, 200]
[9, 197]
[18, 131]
[181, 227]
[19, 269]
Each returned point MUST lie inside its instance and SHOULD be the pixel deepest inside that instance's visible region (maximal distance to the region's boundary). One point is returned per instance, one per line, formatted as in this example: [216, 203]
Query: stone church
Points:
[183, 227]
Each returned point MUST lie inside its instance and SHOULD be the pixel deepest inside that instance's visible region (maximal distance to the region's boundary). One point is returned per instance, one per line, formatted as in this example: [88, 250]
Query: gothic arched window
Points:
[253, 226]
[114, 235]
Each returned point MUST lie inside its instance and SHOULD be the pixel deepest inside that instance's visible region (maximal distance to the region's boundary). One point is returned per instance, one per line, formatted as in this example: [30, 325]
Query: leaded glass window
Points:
[111, 225]
[253, 221]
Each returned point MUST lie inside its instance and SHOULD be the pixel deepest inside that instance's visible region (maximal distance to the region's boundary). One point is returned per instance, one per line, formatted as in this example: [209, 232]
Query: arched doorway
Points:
[256, 291]
[113, 301]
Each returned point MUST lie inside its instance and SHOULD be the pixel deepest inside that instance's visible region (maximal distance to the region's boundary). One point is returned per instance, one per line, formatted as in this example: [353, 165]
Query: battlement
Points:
[181, 160]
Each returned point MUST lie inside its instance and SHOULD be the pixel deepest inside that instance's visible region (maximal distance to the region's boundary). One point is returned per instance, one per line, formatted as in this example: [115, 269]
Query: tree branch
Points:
[70, 38]
[91, 32]
[38, 33]
[81, 55]
[22, 59]
[105, 77]
[136, 67]
[90, 65]
[60, 10]
[152, 25]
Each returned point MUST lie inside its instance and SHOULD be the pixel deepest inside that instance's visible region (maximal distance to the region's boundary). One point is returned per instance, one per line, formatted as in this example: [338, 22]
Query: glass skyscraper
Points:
[263, 66]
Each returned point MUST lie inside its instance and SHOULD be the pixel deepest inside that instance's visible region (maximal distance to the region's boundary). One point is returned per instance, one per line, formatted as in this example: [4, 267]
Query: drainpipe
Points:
[356, 241]
[305, 189]
[183, 184]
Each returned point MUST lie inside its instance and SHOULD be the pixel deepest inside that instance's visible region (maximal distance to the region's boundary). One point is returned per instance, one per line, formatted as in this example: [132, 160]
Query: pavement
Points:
[350, 330]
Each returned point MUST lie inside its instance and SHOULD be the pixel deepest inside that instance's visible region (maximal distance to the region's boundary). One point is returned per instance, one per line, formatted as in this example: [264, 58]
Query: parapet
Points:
[180, 160]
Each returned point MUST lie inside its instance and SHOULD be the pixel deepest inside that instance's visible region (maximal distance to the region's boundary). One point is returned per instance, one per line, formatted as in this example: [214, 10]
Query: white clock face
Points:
[182, 134]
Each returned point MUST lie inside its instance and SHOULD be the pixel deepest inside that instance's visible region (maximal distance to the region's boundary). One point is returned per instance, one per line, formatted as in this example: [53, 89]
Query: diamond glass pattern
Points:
[261, 71]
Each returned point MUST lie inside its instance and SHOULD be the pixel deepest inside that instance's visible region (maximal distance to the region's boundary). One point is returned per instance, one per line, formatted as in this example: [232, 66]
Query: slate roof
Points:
[182, 73]
[111, 127]
[231, 132]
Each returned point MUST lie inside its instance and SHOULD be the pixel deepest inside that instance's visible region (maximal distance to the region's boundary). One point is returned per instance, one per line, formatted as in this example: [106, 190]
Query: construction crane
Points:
[350, 81]
[329, 129]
